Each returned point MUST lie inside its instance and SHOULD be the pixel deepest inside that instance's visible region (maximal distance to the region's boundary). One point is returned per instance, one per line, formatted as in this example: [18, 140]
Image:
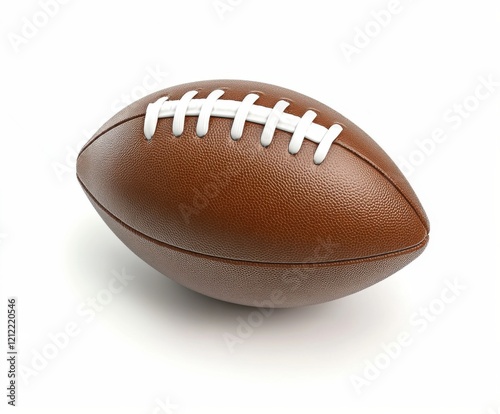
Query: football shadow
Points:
[330, 330]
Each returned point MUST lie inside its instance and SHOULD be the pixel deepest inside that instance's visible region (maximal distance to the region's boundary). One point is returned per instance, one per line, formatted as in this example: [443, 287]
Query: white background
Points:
[159, 348]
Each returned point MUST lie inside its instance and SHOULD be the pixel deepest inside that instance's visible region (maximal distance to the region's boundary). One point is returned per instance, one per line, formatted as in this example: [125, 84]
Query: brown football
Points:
[252, 194]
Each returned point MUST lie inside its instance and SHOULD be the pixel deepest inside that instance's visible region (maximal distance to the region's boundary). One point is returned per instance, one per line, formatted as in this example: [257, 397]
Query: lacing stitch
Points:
[242, 112]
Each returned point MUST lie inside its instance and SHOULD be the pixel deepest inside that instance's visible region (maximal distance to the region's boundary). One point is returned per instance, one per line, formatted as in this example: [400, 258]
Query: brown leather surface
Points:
[257, 284]
[250, 203]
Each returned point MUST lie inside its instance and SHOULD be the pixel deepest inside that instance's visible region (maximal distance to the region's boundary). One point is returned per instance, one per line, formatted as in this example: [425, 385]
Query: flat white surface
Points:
[155, 341]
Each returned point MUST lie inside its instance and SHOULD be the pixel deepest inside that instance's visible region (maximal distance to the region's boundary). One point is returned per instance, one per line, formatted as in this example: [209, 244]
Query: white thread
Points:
[300, 132]
[206, 111]
[241, 112]
[242, 115]
[180, 113]
[326, 143]
[152, 115]
[272, 123]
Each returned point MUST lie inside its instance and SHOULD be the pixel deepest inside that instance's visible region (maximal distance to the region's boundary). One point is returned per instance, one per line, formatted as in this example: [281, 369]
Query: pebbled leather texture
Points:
[260, 284]
[221, 206]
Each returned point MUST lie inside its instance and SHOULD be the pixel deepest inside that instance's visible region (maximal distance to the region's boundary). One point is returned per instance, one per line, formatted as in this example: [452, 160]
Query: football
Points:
[252, 194]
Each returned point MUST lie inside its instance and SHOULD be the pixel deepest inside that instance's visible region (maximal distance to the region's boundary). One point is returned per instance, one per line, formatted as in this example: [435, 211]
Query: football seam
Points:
[388, 178]
[96, 137]
[339, 143]
[421, 244]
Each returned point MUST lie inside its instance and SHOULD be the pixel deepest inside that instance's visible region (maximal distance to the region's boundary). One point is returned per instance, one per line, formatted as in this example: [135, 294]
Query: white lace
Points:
[241, 112]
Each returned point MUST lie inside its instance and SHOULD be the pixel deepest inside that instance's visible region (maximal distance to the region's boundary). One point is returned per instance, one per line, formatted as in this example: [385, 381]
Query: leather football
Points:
[252, 194]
